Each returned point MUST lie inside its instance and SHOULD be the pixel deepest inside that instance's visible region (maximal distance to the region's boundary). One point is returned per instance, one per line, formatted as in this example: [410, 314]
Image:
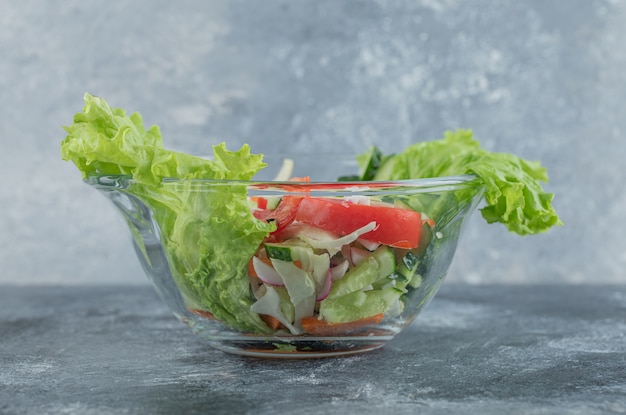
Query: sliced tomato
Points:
[261, 202]
[283, 215]
[396, 227]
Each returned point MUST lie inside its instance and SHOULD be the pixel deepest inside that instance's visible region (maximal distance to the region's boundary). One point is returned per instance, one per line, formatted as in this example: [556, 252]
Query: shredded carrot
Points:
[317, 327]
[202, 313]
[251, 270]
[430, 222]
[271, 321]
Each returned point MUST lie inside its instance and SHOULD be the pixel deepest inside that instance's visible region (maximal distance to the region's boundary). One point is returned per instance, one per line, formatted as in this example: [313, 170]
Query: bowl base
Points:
[280, 349]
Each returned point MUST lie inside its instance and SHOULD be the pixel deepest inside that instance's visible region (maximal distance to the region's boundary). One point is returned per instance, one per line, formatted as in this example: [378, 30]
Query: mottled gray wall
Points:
[542, 79]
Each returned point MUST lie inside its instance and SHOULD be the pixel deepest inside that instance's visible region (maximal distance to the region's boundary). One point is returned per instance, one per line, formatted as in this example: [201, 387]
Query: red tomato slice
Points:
[283, 215]
[261, 202]
[397, 227]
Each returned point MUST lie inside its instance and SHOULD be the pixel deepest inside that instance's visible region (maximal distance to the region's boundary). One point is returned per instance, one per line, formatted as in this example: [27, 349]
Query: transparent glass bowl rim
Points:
[433, 184]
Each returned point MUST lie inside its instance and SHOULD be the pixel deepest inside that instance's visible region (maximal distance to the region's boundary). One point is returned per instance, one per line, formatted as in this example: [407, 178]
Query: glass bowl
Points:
[344, 284]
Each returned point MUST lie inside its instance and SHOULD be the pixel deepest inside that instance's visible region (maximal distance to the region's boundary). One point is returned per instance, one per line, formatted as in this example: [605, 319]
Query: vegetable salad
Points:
[297, 264]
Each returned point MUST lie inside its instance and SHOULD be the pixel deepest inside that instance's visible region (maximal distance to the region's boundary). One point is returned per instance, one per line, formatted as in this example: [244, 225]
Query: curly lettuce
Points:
[209, 236]
[513, 193]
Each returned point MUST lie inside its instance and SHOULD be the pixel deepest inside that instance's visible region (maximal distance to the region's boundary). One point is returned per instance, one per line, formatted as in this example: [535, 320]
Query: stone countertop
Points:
[475, 349]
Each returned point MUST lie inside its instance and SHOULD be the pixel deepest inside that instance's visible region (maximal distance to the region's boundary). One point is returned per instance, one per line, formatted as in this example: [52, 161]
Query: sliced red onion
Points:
[369, 245]
[326, 287]
[266, 273]
[339, 270]
[345, 252]
[358, 255]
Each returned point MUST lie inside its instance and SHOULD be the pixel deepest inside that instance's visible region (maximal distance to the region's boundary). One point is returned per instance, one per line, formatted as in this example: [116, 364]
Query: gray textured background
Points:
[542, 79]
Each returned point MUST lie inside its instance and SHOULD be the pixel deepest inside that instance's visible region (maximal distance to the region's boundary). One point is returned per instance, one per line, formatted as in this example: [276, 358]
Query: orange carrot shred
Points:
[252, 271]
[315, 326]
[202, 313]
[271, 321]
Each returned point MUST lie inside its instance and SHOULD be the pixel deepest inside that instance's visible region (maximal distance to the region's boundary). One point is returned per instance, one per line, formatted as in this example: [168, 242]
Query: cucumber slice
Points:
[415, 281]
[272, 202]
[426, 236]
[407, 268]
[395, 280]
[286, 251]
[408, 264]
[401, 204]
[379, 265]
[358, 305]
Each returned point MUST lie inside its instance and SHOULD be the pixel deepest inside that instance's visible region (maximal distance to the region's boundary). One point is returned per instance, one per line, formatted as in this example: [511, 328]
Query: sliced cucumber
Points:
[379, 265]
[272, 202]
[408, 264]
[358, 305]
[401, 204]
[395, 280]
[407, 267]
[286, 251]
[415, 281]
[426, 236]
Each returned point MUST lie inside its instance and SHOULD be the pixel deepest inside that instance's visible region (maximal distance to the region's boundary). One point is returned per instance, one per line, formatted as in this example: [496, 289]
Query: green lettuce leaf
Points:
[513, 193]
[104, 140]
[208, 236]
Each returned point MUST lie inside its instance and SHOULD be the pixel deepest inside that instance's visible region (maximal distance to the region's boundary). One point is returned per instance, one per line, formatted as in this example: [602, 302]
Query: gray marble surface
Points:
[542, 79]
[486, 350]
